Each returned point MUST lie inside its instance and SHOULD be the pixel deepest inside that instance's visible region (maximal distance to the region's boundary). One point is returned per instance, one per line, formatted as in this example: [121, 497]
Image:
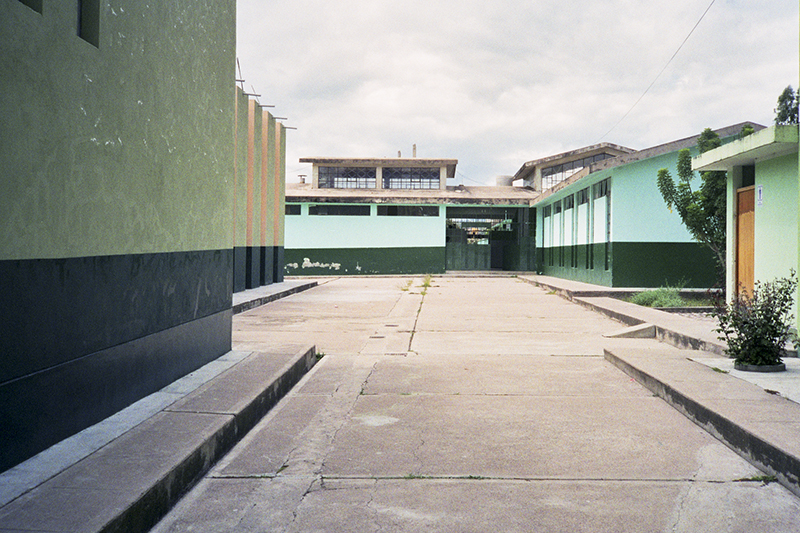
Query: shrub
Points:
[661, 297]
[756, 327]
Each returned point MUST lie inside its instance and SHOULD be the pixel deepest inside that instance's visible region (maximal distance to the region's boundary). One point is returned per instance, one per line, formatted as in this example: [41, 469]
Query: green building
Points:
[763, 221]
[134, 180]
[601, 219]
[398, 216]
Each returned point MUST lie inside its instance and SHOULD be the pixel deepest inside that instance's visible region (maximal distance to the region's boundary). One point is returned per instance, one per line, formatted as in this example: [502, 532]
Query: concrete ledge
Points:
[642, 331]
[129, 484]
[246, 300]
[758, 426]
[671, 328]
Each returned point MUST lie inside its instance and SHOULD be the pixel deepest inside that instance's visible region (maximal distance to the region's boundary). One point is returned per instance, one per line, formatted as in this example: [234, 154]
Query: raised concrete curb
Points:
[246, 300]
[761, 427]
[129, 484]
[670, 328]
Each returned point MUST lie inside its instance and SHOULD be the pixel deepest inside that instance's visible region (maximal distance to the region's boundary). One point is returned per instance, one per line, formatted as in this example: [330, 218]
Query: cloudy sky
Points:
[495, 84]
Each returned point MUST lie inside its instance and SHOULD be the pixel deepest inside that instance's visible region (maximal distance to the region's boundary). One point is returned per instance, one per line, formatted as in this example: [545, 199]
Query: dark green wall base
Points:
[632, 264]
[267, 274]
[653, 264]
[239, 268]
[355, 261]
[278, 258]
[82, 338]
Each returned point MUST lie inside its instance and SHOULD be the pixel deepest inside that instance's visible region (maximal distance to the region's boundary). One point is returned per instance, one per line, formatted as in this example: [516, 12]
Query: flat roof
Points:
[453, 195]
[769, 143]
[415, 162]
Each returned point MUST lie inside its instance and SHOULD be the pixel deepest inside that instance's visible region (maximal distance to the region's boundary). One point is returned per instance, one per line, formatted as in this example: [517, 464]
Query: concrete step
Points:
[130, 483]
[760, 426]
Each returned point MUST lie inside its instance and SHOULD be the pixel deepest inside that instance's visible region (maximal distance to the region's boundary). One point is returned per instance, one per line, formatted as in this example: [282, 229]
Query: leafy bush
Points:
[661, 297]
[756, 327]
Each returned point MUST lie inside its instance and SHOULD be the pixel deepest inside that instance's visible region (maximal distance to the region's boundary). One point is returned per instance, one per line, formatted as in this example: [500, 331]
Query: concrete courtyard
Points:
[474, 404]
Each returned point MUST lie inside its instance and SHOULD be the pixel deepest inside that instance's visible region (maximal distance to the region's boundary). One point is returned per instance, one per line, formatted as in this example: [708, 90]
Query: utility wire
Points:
[660, 73]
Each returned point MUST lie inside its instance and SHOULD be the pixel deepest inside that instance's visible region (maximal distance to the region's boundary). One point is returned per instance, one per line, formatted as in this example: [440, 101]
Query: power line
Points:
[660, 73]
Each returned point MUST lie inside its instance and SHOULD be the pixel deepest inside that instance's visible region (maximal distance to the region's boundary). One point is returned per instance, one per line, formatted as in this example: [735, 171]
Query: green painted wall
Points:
[776, 218]
[354, 261]
[116, 194]
[97, 142]
[306, 231]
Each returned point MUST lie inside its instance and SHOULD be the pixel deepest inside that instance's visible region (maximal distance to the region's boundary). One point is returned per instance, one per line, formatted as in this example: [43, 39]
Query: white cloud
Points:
[495, 85]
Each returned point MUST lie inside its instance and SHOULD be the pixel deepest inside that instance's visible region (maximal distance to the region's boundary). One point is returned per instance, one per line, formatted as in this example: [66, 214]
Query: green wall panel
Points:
[634, 264]
[354, 261]
[655, 264]
[122, 147]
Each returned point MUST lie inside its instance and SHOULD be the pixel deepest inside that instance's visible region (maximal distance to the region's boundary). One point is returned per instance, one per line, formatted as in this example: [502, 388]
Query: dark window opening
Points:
[36, 5]
[292, 209]
[339, 210]
[569, 202]
[408, 210]
[89, 21]
[748, 175]
[347, 177]
[410, 178]
[583, 196]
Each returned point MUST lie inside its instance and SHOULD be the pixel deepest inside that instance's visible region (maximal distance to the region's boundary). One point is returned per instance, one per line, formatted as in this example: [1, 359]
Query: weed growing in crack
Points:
[766, 480]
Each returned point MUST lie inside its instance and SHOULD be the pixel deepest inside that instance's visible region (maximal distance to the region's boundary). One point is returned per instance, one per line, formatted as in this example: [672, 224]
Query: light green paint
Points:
[124, 148]
[776, 218]
[329, 232]
[240, 189]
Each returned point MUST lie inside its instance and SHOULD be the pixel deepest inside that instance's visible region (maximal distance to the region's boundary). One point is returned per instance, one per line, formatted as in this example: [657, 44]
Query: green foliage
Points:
[702, 211]
[661, 297]
[747, 129]
[786, 112]
[756, 327]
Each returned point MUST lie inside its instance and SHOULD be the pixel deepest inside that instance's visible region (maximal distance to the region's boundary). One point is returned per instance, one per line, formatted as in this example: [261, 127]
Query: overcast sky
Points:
[495, 84]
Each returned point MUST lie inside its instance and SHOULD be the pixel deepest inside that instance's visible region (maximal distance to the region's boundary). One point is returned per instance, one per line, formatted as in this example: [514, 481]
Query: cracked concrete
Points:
[501, 416]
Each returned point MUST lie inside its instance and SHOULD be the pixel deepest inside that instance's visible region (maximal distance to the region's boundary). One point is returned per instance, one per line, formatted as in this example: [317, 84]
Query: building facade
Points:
[763, 221]
[398, 216]
[603, 220]
[130, 188]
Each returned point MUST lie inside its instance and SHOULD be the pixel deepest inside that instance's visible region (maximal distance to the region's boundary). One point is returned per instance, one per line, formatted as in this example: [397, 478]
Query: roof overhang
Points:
[768, 143]
[528, 168]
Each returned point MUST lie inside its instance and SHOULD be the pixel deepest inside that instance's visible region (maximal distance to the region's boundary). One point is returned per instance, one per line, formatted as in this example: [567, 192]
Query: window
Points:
[569, 202]
[602, 189]
[547, 211]
[583, 196]
[347, 177]
[556, 208]
[339, 210]
[408, 210]
[410, 178]
[292, 209]
[556, 174]
[89, 21]
[36, 5]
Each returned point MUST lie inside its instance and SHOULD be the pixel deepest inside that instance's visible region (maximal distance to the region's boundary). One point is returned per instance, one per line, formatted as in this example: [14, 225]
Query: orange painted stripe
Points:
[251, 126]
[276, 237]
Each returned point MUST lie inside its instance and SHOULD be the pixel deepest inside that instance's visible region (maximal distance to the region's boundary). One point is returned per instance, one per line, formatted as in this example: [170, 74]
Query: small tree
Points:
[786, 112]
[702, 211]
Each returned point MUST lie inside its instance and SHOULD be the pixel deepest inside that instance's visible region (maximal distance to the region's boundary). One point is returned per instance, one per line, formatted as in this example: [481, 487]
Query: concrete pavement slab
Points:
[478, 430]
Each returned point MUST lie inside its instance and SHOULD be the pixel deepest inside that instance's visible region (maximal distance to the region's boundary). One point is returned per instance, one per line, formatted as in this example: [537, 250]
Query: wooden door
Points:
[745, 239]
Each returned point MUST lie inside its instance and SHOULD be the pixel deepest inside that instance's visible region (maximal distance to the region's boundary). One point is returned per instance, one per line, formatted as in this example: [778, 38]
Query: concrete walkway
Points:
[490, 404]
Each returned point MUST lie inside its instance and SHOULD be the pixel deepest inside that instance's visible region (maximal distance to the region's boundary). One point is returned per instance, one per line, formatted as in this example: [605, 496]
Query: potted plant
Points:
[757, 326]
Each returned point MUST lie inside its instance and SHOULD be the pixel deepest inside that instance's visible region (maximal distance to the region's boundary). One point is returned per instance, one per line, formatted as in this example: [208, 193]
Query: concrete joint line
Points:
[760, 453]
